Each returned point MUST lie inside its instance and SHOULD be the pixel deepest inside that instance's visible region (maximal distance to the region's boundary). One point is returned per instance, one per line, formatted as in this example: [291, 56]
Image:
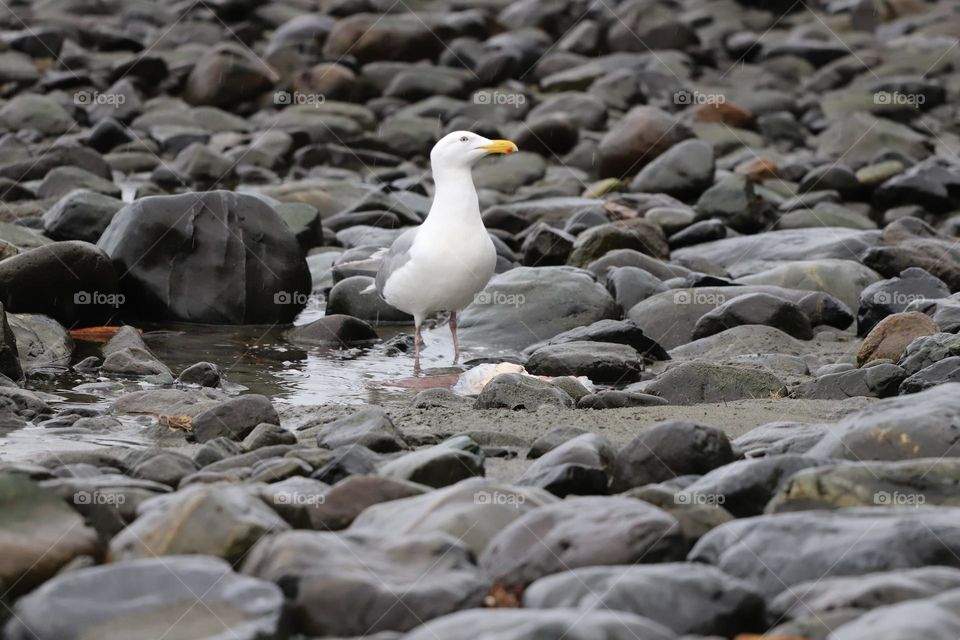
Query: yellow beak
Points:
[500, 146]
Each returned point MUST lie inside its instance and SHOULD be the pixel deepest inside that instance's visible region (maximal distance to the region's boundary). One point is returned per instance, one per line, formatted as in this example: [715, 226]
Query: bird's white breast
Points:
[447, 267]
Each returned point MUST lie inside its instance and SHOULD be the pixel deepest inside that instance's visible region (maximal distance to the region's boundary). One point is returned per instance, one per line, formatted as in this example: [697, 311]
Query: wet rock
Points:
[887, 297]
[347, 298]
[40, 281]
[472, 511]
[214, 520]
[127, 354]
[518, 624]
[80, 215]
[235, 418]
[699, 382]
[668, 450]
[623, 332]
[603, 362]
[204, 374]
[527, 297]
[516, 391]
[910, 483]
[581, 466]
[752, 309]
[581, 532]
[171, 402]
[41, 341]
[41, 534]
[334, 331]
[370, 427]
[350, 497]
[429, 576]
[849, 542]
[232, 260]
[637, 139]
[744, 487]
[888, 340]
[687, 598]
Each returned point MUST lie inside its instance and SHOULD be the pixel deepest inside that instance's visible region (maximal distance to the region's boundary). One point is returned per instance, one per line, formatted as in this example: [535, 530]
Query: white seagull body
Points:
[442, 264]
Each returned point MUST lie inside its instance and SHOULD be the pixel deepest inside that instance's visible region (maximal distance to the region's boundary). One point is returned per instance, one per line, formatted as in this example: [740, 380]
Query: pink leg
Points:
[453, 331]
[416, 351]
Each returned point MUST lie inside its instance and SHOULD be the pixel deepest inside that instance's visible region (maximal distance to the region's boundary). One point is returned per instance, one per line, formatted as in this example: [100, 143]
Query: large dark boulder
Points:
[216, 257]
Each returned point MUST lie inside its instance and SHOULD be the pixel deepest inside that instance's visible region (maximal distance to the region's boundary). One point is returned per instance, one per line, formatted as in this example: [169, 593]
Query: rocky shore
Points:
[712, 390]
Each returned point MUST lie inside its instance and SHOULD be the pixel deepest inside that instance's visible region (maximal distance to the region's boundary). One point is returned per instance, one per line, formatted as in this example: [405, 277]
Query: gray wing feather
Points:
[397, 256]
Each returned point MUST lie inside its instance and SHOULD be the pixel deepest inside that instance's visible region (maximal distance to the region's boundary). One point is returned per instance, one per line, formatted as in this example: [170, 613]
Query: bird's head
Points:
[462, 149]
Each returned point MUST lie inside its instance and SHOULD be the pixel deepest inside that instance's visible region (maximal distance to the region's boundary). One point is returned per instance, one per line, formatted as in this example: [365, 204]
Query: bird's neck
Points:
[454, 198]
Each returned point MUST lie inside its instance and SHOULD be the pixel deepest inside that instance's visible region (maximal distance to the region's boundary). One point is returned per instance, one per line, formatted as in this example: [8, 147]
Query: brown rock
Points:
[889, 339]
[639, 137]
[759, 170]
[328, 79]
[227, 75]
[370, 37]
[350, 496]
[725, 113]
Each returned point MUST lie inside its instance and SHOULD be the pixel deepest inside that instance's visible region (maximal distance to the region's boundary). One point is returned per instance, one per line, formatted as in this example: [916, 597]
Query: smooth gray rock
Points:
[687, 598]
[581, 532]
[151, 597]
[763, 550]
[426, 575]
[668, 450]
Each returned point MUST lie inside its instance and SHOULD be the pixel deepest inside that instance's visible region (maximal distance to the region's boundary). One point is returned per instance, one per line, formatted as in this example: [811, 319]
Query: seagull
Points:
[443, 263]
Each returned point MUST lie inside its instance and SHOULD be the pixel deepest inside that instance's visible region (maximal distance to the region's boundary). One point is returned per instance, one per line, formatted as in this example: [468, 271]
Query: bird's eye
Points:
[463, 138]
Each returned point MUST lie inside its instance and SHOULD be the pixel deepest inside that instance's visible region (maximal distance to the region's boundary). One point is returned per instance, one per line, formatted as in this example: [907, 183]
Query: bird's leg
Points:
[416, 351]
[453, 332]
